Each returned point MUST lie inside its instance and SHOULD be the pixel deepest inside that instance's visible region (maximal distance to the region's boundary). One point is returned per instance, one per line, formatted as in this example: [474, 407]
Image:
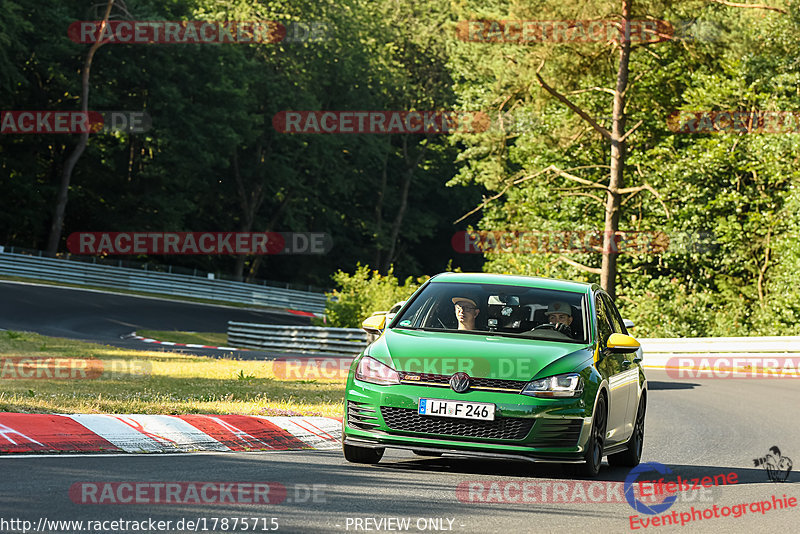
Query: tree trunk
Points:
[271, 224]
[63, 193]
[608, 275]
[411, 166]
[250, 202]
[379, 209]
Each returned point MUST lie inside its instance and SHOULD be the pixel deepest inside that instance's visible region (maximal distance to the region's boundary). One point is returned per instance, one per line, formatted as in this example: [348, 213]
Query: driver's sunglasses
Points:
[466, 308]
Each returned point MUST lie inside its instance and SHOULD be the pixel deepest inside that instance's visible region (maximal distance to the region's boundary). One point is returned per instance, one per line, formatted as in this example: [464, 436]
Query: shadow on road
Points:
[654, 385]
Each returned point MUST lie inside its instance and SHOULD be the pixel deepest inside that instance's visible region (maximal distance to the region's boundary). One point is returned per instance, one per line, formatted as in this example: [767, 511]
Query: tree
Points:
[72, 160]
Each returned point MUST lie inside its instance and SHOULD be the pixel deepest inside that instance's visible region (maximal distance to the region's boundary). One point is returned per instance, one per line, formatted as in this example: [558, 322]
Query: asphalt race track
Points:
[694, 427]
[105, 317]
[697, 428]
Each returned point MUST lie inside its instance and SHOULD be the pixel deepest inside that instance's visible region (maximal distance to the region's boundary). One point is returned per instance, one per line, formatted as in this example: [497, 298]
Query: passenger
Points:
[466, 312]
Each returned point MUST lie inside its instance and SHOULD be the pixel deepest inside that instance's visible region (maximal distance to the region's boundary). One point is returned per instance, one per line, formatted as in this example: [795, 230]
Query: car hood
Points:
[480, 356]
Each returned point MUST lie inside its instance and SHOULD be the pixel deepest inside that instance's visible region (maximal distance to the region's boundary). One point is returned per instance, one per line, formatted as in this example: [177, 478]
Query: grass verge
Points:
[128, 381]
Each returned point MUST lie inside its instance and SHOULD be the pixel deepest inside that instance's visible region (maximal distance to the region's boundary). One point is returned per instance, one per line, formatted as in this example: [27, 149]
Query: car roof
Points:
[517, 280]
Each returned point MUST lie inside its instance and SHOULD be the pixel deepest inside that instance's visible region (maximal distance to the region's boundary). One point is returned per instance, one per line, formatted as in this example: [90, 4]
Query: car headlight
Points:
[372, 371]
[569, 385]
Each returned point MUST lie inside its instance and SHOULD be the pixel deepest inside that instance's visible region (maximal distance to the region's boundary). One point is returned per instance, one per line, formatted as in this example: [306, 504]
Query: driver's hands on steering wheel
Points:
[561, 327]
[558, 327]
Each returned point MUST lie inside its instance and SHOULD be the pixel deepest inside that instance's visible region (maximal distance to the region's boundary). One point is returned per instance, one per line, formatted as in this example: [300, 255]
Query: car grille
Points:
[557, 432]
[481, 384]
[361, 415]
[407, 420]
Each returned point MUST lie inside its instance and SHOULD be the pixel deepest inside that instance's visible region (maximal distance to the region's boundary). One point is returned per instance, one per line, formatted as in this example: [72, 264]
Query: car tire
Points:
[594, 445]
[362, 455]
[631, 456]
[426, 453]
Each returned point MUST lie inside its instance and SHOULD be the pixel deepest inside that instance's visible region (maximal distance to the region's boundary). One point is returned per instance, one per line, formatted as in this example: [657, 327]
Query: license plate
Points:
[483, 411]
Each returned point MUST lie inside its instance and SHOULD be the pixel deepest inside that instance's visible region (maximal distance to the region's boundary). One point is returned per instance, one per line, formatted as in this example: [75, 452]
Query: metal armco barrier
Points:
[351, 341]
[89, 274]
[342, 342]
[657, 351]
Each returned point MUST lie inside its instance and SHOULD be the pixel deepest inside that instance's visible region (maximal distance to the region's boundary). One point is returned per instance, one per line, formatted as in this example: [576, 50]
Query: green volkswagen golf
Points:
[500, 366]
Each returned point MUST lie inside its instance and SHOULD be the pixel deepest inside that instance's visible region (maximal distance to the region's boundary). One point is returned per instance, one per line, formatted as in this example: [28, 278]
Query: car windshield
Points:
[493, 309]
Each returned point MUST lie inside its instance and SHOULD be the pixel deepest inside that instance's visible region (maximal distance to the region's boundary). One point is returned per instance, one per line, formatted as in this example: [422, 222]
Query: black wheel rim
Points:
[599, 432]
[639, 430]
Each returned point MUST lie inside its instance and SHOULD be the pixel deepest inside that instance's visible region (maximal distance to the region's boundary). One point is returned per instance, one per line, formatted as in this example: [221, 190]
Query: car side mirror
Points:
[628, 323]
[620, 343]
[374, 324]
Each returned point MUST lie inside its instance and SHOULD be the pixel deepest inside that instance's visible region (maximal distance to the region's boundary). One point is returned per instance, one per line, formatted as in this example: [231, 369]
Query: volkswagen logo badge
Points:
[459, 382]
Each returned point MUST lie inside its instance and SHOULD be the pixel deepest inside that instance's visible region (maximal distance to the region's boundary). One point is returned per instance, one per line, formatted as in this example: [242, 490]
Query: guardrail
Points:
[658, 351]
[339, 342]
[347, 342]
[107, 276]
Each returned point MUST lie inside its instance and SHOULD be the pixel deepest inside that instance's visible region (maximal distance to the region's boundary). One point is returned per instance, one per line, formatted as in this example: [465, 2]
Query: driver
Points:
[559, 314]
[466, 312]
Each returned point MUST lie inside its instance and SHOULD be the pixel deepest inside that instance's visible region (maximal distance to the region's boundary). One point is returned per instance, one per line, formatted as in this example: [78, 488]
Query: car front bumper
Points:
[535, 429]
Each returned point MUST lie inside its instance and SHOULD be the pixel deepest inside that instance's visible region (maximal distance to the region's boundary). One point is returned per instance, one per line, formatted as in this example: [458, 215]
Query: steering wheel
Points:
[549, 326]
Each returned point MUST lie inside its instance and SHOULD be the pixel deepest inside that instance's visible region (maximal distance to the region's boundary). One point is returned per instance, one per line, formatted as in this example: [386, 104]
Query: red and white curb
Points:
[26, 433]
[172, 344]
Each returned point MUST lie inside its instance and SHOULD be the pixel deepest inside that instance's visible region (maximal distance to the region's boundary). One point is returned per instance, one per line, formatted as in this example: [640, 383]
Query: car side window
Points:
[603, 326]
[614, 317]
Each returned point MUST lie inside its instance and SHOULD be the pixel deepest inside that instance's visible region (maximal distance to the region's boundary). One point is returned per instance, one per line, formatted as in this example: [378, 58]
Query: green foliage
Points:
[214, 162]
[364, 292]
[243, 376]
[727, 201]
